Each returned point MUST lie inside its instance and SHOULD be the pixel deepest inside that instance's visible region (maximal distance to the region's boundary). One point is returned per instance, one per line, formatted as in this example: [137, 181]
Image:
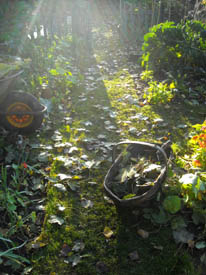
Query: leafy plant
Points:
[198, 144]
[159, 92]
[176, 52]
[12, 258]
[172, 204]
[50, 70]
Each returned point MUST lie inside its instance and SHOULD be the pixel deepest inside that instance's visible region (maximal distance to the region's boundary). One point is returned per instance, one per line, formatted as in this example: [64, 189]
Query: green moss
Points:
[158, 255]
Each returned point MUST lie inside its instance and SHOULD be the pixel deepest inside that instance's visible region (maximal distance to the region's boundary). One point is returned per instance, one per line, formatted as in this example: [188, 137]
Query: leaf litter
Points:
[135, 175]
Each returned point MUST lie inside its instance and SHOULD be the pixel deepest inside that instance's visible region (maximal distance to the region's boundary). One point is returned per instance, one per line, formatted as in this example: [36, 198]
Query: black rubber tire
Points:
[32, 103]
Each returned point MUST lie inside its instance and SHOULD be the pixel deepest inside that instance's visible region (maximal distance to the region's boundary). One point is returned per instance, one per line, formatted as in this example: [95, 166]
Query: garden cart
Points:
[19, 111]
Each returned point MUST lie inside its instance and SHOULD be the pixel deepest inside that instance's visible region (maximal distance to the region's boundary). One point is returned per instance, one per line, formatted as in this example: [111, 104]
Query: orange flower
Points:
[202, 136]
[195, 137]
[202, 144]
[24, 165]
[197, 163]
[203, 128]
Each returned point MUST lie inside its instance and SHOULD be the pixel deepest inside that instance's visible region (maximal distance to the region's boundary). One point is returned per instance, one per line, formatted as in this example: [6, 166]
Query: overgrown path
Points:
[82, 231]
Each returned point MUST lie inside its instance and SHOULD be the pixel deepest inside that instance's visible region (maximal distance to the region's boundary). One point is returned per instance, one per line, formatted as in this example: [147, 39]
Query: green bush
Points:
[176, 51]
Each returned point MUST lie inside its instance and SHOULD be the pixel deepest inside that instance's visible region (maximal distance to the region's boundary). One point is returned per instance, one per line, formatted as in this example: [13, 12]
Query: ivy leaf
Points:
[161, 217]
[182, 236]
[178, 222]
[172, 204]
[200, 245]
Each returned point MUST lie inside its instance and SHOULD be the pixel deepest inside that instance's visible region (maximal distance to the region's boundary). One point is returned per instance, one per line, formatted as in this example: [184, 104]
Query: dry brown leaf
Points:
[142, 233]
[108, 233]
[134, 256]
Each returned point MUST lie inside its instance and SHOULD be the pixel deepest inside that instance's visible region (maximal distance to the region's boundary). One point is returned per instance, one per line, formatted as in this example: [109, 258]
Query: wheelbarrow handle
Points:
[11, 76]
[154, 146]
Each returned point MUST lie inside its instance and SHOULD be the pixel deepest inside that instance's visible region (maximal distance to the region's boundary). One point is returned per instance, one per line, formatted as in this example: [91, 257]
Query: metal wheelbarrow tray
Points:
[149, 149]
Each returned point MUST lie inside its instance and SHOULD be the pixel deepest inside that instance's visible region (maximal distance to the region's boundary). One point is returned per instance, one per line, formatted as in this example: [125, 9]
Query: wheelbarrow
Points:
[19, 111]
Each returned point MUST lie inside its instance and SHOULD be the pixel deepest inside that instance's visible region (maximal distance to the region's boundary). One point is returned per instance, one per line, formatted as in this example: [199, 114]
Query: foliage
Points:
[198, 144]
[193, 187]
[14, 16]
[159, 92]
[14, 202]
[66, 163]
[50, 68]
[172, 204]
[176, 52]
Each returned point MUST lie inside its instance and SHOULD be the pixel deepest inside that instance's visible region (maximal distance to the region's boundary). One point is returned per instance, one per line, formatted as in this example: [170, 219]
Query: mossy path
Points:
[82, 231]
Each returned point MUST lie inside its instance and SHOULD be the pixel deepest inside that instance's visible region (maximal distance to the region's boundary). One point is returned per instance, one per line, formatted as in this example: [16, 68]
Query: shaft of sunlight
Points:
[31, 24]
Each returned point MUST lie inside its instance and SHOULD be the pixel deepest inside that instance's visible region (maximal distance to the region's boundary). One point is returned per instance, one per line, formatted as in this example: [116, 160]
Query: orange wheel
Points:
[22, 103]
[19, 120]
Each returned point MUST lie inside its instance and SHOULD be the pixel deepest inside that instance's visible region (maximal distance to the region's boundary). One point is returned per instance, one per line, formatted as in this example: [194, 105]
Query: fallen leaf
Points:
[43, 157]
[57, 136]
[65, 250]
[183, 236]
[108, 233]
[79, 246]
[75, 260]
[134, 256]
[142, 233]
[101, 267]
[64, 176]
[86, 203]
[132, 130]
[182, 126]
[203, 258]
[55, 219]
[60, 187]
[37, 245]
[73, 186]
[158, 247]
[73, 149]
[88, 164]
[191, 244]
[61, 207]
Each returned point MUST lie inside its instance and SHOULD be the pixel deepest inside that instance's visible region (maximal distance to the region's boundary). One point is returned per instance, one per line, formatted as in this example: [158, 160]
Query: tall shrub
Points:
[178, 49]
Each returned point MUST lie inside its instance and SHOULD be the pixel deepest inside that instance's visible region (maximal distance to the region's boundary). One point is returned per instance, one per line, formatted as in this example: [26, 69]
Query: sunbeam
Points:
[31, 25]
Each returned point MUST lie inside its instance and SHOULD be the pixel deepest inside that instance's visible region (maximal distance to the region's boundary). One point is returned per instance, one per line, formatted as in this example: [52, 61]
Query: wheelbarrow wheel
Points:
[23, 123]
